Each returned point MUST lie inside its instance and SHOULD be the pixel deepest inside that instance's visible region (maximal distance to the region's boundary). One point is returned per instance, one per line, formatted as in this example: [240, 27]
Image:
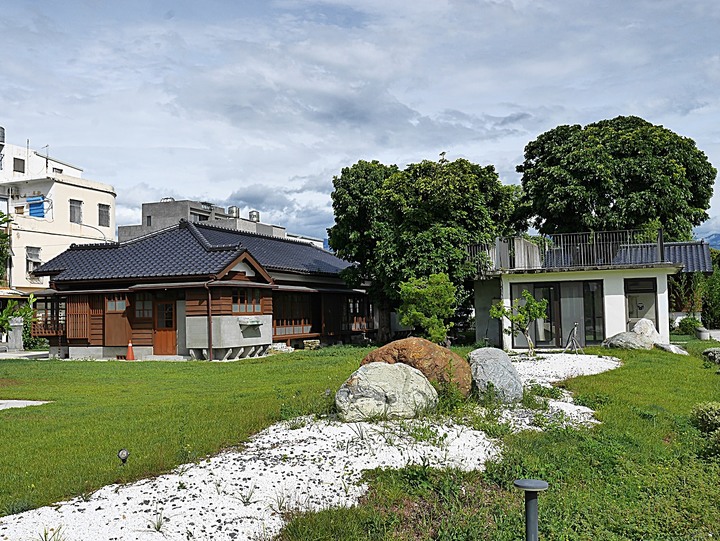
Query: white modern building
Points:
[596, 284]
[51, 207]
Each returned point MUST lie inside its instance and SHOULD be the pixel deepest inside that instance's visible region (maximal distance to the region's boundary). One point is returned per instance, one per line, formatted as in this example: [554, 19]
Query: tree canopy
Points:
[426, 304]
[623, 173]
[402, 224]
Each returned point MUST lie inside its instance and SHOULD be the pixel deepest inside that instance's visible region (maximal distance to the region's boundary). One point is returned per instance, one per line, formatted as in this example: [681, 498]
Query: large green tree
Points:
[623, 173]
[398, 225]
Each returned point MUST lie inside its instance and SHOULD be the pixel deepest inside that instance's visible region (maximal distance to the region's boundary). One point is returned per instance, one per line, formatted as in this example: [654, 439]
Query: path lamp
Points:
[531, 487]
[123, 455]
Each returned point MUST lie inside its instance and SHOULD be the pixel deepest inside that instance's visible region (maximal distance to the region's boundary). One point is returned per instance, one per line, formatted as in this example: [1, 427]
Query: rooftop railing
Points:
[571, 250]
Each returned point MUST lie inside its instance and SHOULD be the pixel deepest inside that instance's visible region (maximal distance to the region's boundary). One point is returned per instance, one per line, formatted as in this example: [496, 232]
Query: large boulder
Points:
[381, 390]
[491, 367]
[672, 348]
[646, 328]
[439, 364]
[628, 340]
[712, 355]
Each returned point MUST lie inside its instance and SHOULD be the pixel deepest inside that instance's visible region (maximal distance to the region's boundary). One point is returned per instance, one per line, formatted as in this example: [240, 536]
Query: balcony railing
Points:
[570, 250]
[48, 328]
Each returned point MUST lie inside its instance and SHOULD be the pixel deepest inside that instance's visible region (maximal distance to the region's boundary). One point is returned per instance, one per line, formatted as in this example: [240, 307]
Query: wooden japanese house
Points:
[194, 288]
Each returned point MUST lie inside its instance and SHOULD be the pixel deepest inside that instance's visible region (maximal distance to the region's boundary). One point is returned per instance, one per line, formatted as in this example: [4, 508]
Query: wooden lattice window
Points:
[246, 301]
[116, 303]
[143, 306]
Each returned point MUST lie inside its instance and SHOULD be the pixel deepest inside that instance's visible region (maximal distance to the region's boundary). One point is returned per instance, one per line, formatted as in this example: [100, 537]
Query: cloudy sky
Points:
[259, 103]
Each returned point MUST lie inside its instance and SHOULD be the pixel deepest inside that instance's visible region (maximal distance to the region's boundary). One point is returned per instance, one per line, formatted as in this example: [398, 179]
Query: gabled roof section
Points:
[275, 253]
[176, 251]
[188, 249]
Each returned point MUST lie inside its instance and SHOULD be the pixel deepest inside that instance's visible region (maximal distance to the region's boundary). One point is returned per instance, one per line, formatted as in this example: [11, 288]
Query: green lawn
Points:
[165, 413]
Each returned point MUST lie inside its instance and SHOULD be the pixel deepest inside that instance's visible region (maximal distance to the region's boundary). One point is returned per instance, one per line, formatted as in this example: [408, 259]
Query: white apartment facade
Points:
[51, 207]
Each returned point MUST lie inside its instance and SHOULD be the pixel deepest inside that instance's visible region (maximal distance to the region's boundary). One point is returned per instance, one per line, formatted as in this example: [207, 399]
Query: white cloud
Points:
[266, 101]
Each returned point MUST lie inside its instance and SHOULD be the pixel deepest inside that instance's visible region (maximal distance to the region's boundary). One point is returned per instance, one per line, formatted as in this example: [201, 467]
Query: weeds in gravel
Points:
[53, 534]
[157, 522]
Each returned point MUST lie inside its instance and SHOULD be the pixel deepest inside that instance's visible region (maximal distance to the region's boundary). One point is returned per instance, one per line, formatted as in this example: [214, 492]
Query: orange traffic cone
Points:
[130, 353]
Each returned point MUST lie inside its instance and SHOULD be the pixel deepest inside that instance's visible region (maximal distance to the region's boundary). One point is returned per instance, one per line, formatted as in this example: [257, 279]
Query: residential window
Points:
[246, 301]
[18, 165]
[143, 306]
[116, 303]
[103, 215]
[20, 209]
[148, 221]
[57, 170]
[32, 257]
[76, 211]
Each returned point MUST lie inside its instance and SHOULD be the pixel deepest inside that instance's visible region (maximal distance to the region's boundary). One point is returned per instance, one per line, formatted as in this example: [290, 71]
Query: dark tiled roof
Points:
[277, 254]
[694, 255]
[187, 250]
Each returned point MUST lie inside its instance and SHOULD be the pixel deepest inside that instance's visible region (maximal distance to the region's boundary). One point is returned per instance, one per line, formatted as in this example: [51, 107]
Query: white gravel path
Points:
[301, 464]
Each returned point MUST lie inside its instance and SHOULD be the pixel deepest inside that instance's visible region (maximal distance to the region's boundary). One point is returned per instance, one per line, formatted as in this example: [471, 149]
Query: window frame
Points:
[251, 301]
[77, 204]
[32, 260]
[18, 165]
[106, 208]
[143, 306]
[112, 300]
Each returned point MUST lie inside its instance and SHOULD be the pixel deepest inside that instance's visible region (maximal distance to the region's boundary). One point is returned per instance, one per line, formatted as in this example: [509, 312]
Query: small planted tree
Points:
[521, 315]
[426, 303]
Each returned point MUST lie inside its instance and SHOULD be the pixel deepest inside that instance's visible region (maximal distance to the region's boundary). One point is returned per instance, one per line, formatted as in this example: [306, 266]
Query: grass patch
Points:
[165, 413]
[644, 473]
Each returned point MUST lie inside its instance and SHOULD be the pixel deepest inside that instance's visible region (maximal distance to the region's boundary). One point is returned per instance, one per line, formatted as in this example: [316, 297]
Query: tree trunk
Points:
[384, 323]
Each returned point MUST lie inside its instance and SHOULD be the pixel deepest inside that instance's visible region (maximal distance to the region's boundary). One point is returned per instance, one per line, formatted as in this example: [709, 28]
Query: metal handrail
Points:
[571, 250]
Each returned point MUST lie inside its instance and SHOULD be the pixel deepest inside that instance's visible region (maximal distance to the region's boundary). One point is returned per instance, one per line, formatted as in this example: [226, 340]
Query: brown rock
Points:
[435, 362]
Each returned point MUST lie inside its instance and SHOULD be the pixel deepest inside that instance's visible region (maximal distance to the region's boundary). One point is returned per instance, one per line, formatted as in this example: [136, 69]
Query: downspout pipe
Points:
[206, 285]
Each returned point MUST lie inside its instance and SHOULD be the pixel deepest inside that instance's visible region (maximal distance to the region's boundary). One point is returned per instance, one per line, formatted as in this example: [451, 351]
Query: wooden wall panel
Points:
[196, 302]
[97, 327]
[142, 332]
[266, 302]
[78, 317]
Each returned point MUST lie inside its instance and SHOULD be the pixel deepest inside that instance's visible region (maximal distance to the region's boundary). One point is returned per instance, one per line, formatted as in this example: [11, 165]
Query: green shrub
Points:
[688, 325]
[706, 417]
[712, 447]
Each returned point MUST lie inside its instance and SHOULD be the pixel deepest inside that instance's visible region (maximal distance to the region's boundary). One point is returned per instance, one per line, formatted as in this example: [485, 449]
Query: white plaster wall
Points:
[227, 332]
[35, 164]
[613, 293]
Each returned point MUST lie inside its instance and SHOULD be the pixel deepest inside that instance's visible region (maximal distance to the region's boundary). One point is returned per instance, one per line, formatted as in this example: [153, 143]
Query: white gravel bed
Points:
[300, 464]
[7, 404]
[561, 366]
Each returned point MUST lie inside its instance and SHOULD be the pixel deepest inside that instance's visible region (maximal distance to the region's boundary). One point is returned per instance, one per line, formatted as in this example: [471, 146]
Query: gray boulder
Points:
[646, 328]
[628, 340]
[672, 348]
[712, 355]
[381, 390]
[491, 367]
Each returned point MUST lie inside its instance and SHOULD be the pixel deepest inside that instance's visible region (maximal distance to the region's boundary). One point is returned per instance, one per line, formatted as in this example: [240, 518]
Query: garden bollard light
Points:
[531, 487]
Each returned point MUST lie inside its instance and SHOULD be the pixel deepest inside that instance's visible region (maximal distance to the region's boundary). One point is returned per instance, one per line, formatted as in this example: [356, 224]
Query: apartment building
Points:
[168, 212]
[51, 207]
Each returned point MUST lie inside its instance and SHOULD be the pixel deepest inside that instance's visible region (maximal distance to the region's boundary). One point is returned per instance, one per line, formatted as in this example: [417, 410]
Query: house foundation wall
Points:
[233, 336]
[106, 352]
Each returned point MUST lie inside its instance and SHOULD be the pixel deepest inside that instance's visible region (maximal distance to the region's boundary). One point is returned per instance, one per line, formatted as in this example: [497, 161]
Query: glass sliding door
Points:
[570, 303]
[594, 309]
